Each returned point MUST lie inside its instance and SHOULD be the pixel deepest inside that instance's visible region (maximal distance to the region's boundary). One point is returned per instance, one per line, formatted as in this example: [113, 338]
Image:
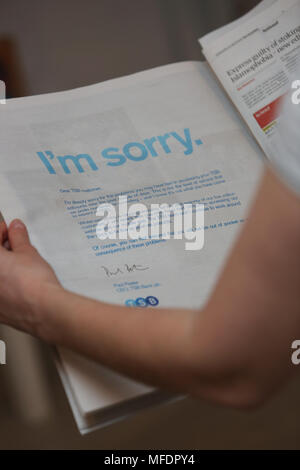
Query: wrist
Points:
[45, 311]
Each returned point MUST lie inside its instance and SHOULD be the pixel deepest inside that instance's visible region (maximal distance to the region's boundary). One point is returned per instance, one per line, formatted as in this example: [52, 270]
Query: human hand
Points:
[24, 274]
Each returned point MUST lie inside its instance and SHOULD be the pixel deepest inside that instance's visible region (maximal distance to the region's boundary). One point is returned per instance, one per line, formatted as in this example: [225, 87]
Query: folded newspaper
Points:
[162, 136]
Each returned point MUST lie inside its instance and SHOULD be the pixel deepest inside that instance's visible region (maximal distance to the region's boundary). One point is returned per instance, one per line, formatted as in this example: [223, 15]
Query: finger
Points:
[3, 232]
[18, 235]
[3, 237]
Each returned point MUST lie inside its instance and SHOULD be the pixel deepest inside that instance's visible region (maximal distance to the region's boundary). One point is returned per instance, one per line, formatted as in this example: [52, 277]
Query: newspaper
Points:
[255, 60]
[63, 154]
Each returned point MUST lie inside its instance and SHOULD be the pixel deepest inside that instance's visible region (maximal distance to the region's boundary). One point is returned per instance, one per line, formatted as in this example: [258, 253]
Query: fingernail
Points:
[17, 223]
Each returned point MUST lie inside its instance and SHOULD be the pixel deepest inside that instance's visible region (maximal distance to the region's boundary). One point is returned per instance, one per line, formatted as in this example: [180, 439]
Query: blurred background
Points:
[53, 45]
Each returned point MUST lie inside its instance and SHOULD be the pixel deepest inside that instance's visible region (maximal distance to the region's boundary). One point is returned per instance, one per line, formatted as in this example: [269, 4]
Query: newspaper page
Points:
[255, 62]
[169, 135]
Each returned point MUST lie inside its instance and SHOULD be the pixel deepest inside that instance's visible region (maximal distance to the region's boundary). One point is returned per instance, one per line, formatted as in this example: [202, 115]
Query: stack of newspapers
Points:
[185, 133]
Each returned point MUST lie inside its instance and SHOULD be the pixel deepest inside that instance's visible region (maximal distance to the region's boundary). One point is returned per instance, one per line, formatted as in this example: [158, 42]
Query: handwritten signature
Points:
[126, 268]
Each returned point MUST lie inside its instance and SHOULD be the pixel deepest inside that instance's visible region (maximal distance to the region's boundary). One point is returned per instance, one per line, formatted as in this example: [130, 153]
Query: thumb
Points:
[18, 235]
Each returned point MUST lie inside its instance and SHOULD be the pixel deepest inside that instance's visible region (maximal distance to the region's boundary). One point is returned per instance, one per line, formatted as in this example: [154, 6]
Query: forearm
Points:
[159, 347]
[237, 347]
[152, 346]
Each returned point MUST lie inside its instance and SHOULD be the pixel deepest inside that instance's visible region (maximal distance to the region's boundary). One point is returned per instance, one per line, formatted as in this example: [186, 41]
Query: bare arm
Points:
[235, 351]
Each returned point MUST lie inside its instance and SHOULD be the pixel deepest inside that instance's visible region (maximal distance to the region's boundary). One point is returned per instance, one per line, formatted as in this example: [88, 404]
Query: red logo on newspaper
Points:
[268, 114]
